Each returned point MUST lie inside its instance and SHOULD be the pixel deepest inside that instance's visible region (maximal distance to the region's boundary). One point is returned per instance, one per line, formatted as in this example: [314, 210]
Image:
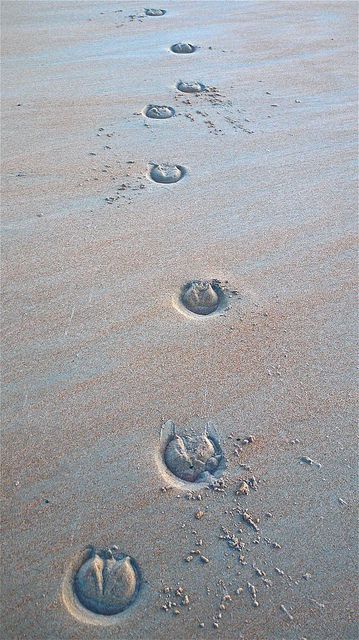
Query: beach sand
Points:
[98, 352]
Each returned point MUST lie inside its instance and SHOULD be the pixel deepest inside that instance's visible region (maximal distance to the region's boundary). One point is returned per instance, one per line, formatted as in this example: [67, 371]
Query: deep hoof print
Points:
[183, 47]
[106, 583]
[159, 112]
[167, 174]
[155, 12]
[101, 585]
[191, 87]
[195, 458]
[203, 297]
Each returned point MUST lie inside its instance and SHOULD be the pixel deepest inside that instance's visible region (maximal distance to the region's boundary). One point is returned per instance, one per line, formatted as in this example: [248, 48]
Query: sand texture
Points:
[130, 172]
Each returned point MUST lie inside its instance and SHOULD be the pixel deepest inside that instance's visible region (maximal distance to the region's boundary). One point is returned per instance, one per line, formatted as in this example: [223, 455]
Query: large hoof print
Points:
[101, 585]
[167, 174]
[159, 112]
[203, 297]
[183, 47]
[196, 458]
[155, 12]
[191, 87]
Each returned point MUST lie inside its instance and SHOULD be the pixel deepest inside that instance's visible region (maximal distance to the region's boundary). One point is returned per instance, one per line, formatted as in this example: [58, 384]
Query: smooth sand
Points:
[97, 354]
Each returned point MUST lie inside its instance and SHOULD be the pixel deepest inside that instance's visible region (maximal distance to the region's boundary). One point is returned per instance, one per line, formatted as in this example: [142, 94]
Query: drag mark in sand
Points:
[72, 315]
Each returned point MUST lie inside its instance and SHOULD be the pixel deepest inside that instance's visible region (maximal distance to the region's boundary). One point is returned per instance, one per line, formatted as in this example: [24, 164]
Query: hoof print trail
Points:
[195, 458]
[159, 112]
[167, 174]
[203, 297]
[155, 12]
[191, 87]
[107, 582]
[183, 47]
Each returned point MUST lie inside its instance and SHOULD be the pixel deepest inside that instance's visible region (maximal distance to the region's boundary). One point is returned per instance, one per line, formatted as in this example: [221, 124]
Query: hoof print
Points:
[159, 112]
[166, 174]
[203, 297]
[191, 87]
[155, 12]
[194, 458]
[183, 47]
[107, 582]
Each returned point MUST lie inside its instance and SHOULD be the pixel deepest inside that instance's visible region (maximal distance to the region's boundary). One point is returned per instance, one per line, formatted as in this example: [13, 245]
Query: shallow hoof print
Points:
[167, 174]
[107, 582]
[155, 12]
[159, 112]
[183, 47]
[203, 297]
[191, 87]
[193, 458]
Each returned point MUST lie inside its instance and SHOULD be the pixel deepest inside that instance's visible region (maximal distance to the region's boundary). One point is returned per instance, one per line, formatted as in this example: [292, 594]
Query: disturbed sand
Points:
[99, 353]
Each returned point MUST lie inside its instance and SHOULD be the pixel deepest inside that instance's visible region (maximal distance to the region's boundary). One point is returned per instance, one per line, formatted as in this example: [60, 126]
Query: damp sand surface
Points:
[97, 354]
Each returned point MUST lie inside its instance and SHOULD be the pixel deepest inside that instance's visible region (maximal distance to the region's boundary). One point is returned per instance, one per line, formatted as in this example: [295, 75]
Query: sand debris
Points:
[253, 592]
[243, 488]
[252, 483]
[262, 574]
[251, 520]
[175, 598]
[310, 462]
[232, 540]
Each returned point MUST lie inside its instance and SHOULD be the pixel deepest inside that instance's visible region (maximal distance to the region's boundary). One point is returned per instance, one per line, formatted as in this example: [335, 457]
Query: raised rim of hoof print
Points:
[202, 298]
[190, 87]
[159, 111]
[101, 585]
[155, 12]
[166, 173]
[183, 47]
[191, 459]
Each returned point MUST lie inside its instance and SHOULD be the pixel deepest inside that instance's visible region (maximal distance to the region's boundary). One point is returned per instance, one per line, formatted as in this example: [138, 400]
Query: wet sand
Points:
[98, 353]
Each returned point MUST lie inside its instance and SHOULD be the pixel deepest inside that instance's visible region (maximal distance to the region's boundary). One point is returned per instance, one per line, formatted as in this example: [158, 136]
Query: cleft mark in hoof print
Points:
[159, 112]
[183, 47]
[166, 173]
[191, 87]
[155, 12]
[195, 458]
[100, 585]
[203, 297]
